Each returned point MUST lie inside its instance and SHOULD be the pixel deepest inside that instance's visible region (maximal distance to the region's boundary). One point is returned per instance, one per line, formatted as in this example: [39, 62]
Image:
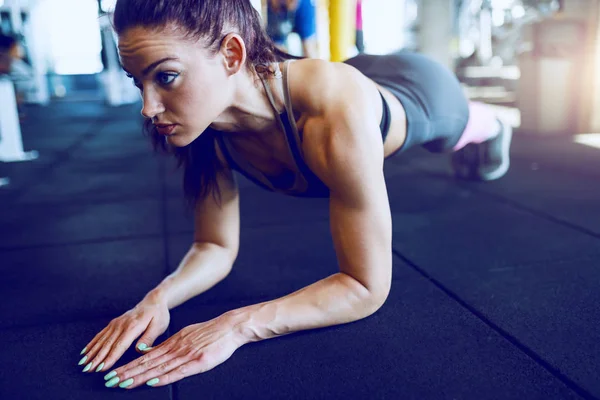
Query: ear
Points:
[233, 50]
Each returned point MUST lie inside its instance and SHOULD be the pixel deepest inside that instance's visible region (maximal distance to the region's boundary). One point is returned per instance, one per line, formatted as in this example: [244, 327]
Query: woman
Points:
[218, 94]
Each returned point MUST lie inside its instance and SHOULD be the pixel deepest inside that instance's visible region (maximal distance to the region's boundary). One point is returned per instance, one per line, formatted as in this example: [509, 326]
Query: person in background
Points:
[287, 16]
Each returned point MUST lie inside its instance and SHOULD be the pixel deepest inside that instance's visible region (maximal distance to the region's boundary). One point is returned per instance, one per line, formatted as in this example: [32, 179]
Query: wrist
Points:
[247, 322]
[160, 294]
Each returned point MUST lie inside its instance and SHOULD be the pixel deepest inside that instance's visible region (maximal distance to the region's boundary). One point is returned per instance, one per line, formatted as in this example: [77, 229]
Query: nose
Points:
[152, 104]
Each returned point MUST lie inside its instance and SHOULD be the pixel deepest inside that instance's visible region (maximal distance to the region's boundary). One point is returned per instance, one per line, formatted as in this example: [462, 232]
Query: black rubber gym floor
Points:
[496, 291]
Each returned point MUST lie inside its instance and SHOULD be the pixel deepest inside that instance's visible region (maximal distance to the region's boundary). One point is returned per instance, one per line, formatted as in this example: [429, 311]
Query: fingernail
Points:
[110, 375]
[100, 367]
[83, 360]
[128, 382]
[152, 382]
[87, 367]
[83, 351]
[142, 346]
[112, 382]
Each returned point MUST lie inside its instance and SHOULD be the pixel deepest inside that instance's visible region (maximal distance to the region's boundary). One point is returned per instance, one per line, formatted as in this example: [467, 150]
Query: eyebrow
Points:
[150, 67]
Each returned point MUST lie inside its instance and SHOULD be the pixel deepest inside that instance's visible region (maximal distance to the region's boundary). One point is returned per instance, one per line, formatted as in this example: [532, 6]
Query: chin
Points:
[180, 139]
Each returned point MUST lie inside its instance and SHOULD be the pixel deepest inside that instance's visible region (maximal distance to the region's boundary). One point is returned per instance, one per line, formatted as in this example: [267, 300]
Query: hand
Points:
[193, 350]
[150, 317]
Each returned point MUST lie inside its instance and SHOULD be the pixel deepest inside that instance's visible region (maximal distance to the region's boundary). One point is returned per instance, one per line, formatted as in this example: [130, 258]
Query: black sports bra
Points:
[306, 183]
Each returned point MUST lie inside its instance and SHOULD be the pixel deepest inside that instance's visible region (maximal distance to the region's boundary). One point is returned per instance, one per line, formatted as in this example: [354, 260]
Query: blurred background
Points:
[495, 292]
[537, 61]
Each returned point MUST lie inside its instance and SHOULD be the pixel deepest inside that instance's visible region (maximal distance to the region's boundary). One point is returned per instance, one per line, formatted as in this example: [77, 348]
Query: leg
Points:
[479, 141]
[306, 25]
[482, 125]
[310, 47]
[483, 150]
[439, 116]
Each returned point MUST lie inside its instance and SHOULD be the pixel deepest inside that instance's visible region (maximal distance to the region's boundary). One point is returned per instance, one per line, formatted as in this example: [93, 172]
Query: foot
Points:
[485, 161]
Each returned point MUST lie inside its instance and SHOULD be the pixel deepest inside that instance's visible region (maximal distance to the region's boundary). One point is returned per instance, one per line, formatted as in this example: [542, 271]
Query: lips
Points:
[164, 129]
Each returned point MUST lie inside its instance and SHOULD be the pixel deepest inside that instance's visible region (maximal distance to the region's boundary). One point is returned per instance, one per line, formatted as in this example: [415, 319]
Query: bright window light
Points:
[501, 3]
[382, 24]
[588, 139]
[518, 12]
[75, 44]
[497, 17]
[108, 5]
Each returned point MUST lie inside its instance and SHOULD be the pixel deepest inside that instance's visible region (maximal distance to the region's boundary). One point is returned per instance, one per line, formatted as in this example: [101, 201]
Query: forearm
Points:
[335, 300]
[204, 265]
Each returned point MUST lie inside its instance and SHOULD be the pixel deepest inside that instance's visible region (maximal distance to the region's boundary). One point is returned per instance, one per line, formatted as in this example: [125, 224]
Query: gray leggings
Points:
[437, 110]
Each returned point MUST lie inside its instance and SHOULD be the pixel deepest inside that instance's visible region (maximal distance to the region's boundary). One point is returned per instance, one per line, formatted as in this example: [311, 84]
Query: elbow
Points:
[379, 287]
[371, 295]
[233, 253]
[374, 297]
[378, 297]
[378, 290]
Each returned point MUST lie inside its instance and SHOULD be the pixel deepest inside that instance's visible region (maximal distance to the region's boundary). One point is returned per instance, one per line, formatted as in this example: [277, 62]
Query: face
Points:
[184, 87]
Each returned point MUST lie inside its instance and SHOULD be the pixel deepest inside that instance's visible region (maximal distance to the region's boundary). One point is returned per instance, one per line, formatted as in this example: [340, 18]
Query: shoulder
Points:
[319, 85]
[342, 113]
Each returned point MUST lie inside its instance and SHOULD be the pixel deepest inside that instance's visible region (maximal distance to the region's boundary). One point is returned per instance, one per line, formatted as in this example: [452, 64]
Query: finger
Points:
[101, 350]
[192, 367]
[147, 340]
[133, 374]
[118, 344]
[148, 361]
[159, 360]
[92, 352]
[88, 347]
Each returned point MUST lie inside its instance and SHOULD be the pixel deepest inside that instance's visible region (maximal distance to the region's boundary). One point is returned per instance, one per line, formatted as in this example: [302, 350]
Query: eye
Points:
[166, 78]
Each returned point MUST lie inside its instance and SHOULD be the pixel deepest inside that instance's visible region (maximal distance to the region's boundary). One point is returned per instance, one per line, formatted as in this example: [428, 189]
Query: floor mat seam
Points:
[504, 334]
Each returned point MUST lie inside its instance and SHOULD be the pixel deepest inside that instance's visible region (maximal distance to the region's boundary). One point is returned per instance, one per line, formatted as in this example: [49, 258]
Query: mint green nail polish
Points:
[99, 367]
[87, 367]
[110, 375]
[142, 346]
[126, 383]
[83, 351]
[83, 360]
[112, 382]
[152, 382]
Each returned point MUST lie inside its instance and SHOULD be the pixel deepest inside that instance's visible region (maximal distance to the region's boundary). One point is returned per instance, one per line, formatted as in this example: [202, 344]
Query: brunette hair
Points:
[210, 20]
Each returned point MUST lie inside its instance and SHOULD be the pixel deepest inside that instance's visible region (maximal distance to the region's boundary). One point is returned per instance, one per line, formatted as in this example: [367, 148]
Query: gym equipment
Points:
[11, 144]
[342, 21]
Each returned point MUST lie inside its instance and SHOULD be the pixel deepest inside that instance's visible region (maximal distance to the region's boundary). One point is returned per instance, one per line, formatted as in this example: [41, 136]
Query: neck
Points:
[250, 110]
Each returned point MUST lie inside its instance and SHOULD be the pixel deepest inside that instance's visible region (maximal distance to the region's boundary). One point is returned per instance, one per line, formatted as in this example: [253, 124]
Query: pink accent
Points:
[481, 126]
[359, 20]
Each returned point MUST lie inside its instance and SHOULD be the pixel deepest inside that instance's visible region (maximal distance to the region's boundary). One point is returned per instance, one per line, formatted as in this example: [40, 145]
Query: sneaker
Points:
[485, 161]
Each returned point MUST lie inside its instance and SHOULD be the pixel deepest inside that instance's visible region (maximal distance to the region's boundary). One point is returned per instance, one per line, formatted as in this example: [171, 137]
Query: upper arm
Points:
[348, 156]
[219, 223]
